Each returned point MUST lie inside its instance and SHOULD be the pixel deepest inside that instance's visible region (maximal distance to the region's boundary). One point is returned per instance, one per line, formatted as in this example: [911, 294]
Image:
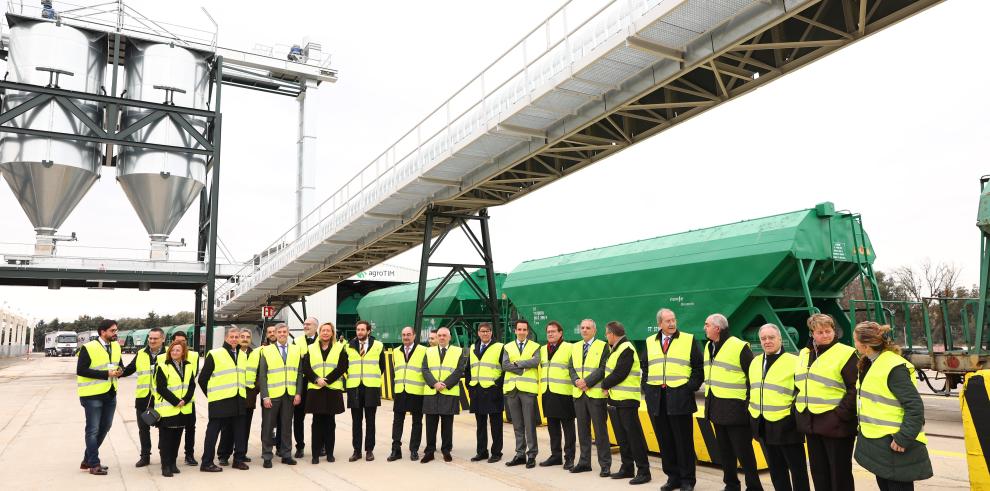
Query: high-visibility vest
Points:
[251, 370]
[628, 388]
[820, 387]
[672, 369]
[177, 386]
[555, 374]
[486, 371]
[192, 358]
[303, 346]
[879, 412]
[281, 375]
[724, 376]
[322, 367]
[408, 375]
[228, 379]
[144, 370]
[442, 370]
[100, 360]
[772, 395]
[585, 364]
[364, 370]
[528, 381]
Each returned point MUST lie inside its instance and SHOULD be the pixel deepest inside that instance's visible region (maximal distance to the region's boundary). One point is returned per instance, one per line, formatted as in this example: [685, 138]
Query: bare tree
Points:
[930, 280]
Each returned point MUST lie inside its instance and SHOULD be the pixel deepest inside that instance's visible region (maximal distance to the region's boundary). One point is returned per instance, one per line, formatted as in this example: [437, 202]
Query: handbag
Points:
[151, 416]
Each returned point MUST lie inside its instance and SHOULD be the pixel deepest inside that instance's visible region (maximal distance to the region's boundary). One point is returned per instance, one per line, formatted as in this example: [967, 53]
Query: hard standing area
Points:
[41, 444]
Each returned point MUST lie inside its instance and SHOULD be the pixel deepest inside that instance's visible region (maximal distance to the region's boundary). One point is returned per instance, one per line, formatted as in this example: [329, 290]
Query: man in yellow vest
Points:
[484, 378]
[223, 381]
[727, 360]
[189, 432]
[587, 370]
[407, 393]
[365, 366]
[674, 371]
[310, 326]
[97, 371]
[443, 368]
[143, 365]
[557, 396]
[279, 382]
[622, 387]
[771, 405]
[521, 364]
[226, 447]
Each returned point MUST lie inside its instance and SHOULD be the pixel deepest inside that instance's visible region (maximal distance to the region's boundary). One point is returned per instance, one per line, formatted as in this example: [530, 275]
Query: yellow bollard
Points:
[976, 427]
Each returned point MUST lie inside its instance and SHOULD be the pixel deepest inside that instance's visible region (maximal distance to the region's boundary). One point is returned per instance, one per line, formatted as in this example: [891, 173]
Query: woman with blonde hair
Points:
[324, 368]
[174, 389]
[891, 444]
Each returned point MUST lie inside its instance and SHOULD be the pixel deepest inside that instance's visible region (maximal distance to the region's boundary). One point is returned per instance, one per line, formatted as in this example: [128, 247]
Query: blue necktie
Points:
[282, 349]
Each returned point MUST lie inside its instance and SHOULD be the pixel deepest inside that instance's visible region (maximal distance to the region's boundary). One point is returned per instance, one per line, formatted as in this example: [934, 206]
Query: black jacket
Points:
[673, 401]
[841, 421]
[362, 396]
[485, 400]
[623, 366]
[161, 387]
[782, 432]
[729, 412]
[226, 408]
[557, 405]
[83, 370]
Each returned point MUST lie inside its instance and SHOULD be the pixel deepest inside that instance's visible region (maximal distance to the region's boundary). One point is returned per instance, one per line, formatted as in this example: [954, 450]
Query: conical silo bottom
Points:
[160, 200]
[47, 192]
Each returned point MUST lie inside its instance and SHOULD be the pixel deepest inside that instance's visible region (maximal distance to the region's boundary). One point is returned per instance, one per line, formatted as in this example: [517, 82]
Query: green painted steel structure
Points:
[188, 329]
[777, 269]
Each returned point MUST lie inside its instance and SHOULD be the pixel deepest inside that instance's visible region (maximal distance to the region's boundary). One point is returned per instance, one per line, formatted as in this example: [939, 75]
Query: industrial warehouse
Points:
[715, 316]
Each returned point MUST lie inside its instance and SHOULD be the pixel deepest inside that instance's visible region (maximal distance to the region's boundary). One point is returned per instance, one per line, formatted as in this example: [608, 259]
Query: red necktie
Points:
[666, 344]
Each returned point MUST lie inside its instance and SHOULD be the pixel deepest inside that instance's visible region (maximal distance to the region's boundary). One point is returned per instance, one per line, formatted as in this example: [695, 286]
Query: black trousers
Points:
[190, 434]
[629, 435]
[299, 422]
[736, 443]
[675, 434]
[788, 468]
[446, 423]
[216, 426]
[226, 447]
[483, 421]
[144, 433]
[558, 427]
[368, 415]
[831, 462]
[168, 445]
[324, 426]
[415, 437]
[888, 485]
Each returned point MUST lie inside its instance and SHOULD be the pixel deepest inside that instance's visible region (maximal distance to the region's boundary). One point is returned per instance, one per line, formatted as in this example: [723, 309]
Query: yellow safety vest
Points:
[322, 367]
[724, 376]
[772, 395]
[99, 359]
[879, 412]
[408, 376]
[442, 370]
[303, 346]
[528, 381]
[672, 369]
[486, 371]
[820, 387]
[177, 386]
[144, 370]
[555, 375]
[192, 358]
[228, 379]
[583, 369]
[251, 370]
[364, 370]
[281, 375]
[629, 388]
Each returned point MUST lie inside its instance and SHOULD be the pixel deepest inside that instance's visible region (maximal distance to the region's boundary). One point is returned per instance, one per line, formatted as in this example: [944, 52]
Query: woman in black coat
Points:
[323, 402]
[170, 427]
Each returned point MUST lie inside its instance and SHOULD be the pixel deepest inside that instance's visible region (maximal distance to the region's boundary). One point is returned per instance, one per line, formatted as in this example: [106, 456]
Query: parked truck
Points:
[61, 343]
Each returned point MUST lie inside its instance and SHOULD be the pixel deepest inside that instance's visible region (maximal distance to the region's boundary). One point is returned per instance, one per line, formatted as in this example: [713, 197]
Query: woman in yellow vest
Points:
[174, 388]
[825, 404]
[891, 442]
[324, 369]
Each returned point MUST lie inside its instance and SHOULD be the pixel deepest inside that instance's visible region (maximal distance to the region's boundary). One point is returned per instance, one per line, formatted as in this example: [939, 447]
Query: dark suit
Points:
[730, 417]
[363, 402]
[671, 410]
[487, 405]
[226, 415]
[591, 412]
[441, 408]
[559, 411]
[403, 403]
[624, 414]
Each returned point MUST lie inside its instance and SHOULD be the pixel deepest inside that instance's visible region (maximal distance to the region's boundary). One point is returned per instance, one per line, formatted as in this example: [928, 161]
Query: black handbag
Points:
[151, 416]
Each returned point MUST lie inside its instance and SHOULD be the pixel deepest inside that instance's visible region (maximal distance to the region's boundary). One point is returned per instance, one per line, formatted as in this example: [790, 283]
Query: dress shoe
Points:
[640, 479]
[427, 457]
[223, 462]
[241, 466]
[142, 462]
[267, 464]
[479, 457]
[687, 487]
[85, 467]
[368, 456]
[447, 457]
[604, 473]
[670, 486]
[211, 468]
[288, 461]
[623, 474]
[516, 461]
[551, 462]
[246, 460]
[414, 455]
[316, 459]
[330, 458]
[98, 471]
[530, 463]
[580, 468]
[494, 458]
[299, 452]
[166, 471]
[355, 457]
[175, 469]
[568, 465]
[190, 460]
[392, 457]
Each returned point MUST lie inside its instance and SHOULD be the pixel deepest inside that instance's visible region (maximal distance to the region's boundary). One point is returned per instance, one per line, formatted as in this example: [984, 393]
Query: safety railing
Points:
[933, 325]
[566, 36]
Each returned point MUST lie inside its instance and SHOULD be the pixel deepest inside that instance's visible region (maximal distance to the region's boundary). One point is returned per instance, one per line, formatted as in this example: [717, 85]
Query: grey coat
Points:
[441, 403]
[262, 381]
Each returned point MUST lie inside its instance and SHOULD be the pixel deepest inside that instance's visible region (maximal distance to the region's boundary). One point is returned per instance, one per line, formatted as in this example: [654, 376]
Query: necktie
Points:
[587, 346]
[408, 349]
[363, 349]
[482, 350]
[443, 351]
[666, 343]
[521, 344]
[281, 348]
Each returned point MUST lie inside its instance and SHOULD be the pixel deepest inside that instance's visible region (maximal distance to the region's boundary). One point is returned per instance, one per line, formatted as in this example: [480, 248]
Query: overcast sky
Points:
[894, 127]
